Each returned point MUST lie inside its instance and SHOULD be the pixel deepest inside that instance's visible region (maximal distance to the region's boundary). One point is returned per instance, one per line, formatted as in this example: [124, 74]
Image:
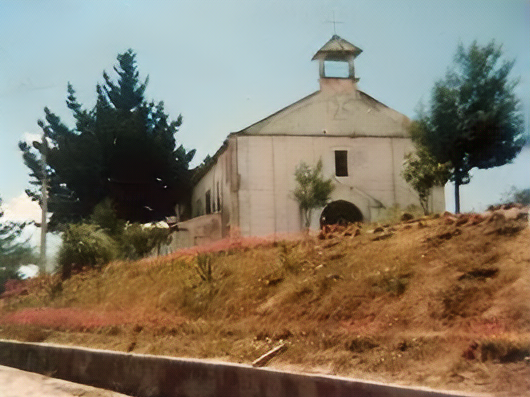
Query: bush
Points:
[515, 195]
[135, 240]
[504, 350]
[85, 245]
[139, 240]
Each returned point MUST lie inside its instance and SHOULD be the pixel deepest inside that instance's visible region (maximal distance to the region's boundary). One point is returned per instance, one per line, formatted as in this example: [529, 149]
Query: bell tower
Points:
[335, 59]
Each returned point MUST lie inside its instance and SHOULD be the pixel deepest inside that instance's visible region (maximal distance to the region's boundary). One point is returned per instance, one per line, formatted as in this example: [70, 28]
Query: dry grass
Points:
[436, 303]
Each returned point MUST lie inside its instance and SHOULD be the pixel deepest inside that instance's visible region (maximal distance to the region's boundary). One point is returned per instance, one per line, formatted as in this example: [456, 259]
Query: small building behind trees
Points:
[247, 186]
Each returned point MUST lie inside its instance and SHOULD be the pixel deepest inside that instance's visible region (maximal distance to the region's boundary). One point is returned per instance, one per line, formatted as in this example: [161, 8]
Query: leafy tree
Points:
[140, 240]
[313, 190]
[474, 118]
[14, 252]
[124, 148]
[423, 172]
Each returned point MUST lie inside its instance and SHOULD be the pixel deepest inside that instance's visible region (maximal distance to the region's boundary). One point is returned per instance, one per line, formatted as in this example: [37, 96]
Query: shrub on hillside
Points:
[140, 240]
[515, 195]
[85, 245]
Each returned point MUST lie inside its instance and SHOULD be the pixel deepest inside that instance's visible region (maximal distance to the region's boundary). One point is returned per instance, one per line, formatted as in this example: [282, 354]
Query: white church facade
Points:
[248, 184]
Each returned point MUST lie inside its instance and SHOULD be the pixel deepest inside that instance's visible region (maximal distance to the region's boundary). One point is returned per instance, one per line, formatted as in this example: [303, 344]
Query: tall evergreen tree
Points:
[124, 148]
[474, 119]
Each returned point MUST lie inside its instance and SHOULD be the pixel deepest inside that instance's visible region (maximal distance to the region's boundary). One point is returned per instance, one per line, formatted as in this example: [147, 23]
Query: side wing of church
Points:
[248, 185]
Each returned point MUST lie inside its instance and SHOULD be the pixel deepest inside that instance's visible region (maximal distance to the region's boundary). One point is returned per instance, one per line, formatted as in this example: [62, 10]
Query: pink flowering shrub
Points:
[232, 243]
[14, 288]
[74, 319]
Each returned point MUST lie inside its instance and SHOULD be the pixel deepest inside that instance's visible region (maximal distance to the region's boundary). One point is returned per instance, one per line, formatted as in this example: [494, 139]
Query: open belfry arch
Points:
[247, 186]
[337, 50]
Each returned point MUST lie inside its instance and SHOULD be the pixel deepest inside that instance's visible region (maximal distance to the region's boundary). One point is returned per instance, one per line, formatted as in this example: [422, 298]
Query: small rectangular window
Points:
[198, 208]
[341, 162]
[208, 202]
[218, 197]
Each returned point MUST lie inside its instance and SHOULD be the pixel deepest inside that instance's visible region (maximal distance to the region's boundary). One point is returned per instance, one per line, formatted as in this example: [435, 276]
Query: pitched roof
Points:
[336, 46]
[273, 115]
[310, 120]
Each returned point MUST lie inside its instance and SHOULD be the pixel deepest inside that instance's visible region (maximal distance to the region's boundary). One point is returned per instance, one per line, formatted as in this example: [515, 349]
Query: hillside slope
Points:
[440, 302]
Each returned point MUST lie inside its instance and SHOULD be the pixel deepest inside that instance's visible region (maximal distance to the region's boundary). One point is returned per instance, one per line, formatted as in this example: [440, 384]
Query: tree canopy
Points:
[474, 118]
[124, 148]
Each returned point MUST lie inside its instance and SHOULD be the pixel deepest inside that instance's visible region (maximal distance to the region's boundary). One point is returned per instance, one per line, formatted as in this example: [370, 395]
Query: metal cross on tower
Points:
[334, 22]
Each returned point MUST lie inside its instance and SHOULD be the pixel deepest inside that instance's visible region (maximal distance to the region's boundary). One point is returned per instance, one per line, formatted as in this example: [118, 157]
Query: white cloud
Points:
[21, 209]
[29, 137]
[28, 271]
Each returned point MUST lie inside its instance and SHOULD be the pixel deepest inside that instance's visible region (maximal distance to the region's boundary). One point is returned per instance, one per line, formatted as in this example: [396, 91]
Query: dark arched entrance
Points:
[340, 212]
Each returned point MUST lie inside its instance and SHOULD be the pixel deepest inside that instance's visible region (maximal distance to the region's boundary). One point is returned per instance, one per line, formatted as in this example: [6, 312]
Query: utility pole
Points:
[44, 206]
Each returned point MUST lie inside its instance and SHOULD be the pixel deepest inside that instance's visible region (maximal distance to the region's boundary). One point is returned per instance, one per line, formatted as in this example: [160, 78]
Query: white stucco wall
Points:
[267, 165]
[222, 182]
[338, 109]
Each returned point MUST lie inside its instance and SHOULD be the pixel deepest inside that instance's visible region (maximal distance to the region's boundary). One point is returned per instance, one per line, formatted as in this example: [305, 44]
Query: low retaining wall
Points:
[156, 376]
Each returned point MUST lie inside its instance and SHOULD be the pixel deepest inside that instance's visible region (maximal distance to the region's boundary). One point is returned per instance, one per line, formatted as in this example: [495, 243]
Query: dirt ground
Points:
[440, 301]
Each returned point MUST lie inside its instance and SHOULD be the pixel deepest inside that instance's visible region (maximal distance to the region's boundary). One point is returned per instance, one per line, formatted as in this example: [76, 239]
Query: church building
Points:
[248, 185]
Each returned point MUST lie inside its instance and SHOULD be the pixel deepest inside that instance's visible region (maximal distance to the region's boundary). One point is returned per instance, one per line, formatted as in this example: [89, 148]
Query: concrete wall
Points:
[154, 376]
[204, 229]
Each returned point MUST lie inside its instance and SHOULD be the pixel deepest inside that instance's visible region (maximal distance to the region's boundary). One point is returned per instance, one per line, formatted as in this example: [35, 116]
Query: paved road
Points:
[16, 383]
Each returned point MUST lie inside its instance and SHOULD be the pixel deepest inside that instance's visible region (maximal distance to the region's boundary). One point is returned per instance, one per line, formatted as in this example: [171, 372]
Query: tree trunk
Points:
[307, 217]
[424, 201]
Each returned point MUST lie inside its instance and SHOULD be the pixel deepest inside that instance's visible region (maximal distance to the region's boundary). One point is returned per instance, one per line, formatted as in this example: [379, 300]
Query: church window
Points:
[198, 208]
[341, 162]
[208, 202]
[218, 197]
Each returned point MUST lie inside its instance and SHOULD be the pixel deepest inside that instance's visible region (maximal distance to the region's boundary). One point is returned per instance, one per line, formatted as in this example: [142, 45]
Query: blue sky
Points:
[225, 64]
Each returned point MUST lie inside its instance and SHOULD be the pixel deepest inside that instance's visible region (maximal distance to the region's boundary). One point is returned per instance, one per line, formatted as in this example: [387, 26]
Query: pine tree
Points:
[124, 148]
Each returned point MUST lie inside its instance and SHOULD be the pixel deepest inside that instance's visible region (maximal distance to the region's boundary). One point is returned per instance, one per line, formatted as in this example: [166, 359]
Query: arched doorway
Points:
[340, 212]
